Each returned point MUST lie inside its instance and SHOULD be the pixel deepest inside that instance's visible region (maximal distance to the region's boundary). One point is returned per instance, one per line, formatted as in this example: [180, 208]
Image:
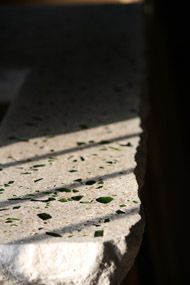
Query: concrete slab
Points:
[69, 201]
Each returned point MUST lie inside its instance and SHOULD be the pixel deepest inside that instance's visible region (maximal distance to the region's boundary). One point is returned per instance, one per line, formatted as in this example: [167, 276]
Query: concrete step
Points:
[71, 160]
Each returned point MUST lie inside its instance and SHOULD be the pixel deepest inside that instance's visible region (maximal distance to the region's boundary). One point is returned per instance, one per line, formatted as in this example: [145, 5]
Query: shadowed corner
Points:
[3, 109]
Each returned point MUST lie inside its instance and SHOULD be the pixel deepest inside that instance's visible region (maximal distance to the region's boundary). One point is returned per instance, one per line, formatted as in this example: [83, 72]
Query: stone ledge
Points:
[69, 202]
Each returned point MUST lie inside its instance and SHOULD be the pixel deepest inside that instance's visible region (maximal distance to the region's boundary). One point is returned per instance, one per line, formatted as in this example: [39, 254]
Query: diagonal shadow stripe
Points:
[78, 226]
[66, 151]
[7, 203]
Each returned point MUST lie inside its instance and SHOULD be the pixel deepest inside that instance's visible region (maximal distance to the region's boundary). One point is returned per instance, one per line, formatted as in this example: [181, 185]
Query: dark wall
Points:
[166, 198]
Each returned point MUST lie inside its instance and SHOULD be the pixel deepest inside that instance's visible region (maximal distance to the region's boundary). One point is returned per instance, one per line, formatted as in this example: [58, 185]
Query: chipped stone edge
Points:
[105, 262]
[110, 261]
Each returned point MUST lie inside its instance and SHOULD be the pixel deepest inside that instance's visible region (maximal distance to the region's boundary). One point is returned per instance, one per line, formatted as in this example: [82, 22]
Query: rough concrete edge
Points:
[135, 237]
[112, 257]
[11, 276]
[122, 263]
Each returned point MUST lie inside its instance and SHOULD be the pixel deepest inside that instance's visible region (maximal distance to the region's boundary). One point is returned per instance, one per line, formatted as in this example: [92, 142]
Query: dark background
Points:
[164, 254]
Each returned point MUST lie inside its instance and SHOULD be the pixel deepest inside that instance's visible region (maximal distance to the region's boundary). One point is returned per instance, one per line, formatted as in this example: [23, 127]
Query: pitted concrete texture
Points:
[69, 193]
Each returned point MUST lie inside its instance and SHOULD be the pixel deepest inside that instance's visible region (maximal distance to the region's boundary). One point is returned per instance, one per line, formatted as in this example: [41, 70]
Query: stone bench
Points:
[70, 145]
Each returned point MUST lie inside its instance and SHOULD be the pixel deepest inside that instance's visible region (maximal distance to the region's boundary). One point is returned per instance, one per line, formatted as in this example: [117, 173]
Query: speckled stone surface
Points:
[68, 191]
